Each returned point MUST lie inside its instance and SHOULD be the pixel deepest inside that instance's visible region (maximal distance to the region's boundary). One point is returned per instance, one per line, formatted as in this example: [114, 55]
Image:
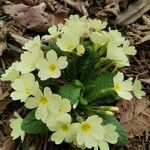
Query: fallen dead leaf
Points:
[145, 81]
[146, 20]
[14, 10]
[1, 92]
[4, 95]
[8, 144]
[3, 31]
[145, 39]
[2, 47]
[134, 11]
[59, 18]
[33, 18]
[123, 4]
[78, 5]
[134, 115]
[19, 39]
[31, 2]
[4, 103]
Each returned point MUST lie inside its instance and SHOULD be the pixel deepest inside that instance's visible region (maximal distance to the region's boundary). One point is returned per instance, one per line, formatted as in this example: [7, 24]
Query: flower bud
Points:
[109, 113]
[114, 109]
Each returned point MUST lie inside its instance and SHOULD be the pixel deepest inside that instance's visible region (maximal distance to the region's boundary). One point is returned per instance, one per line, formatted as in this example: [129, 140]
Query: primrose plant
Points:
[70, 84]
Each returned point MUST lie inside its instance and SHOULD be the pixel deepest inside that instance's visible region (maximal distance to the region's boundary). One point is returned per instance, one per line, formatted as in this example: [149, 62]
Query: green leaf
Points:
[71, 92]
[123, 138]
[31, 125]
[86, 64]
[78, 83]
[100, 87]
[71, 71]
[54, 47]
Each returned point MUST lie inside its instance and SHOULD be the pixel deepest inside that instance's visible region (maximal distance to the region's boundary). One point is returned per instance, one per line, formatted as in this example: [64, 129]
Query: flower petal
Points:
[31, 102]
[58, 137]
[51, 57]
[62, 62]
[103, 145]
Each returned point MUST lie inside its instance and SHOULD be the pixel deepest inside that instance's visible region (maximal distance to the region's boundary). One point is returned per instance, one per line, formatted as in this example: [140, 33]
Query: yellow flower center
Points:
[43, 100]
[70, 46]
[52, 67]
[86, 127]
[117, 87]
[27, 91]
[64, 128]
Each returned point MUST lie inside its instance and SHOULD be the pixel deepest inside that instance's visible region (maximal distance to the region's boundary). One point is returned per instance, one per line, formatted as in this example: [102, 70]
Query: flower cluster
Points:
[71, 71]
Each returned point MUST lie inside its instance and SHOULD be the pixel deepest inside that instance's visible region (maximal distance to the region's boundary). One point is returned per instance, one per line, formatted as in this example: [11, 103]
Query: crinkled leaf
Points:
[31, 125]
[71, 71]
[71, 92]
[101, 87]
[86, 64]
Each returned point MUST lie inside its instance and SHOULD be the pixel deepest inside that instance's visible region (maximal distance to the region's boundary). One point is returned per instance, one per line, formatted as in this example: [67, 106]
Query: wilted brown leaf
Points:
[59, 18]
[8, 144]
[78, 5]
[135, 11]
[31, 2]
[32, 18]
[134, 115]
[146, 19]
[2, 47]
[147, 81]
[1, 92]
[4, 95]
[19, 39]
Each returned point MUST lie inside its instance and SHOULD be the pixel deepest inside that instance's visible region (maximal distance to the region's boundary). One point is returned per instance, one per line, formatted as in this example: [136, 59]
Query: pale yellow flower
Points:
[113, 37]
[75, 18]
[98, 39]
[90, 131]
[64, 130]
[75, 25]
[110, 136]
[15, 124]
[28, 61]
[54, 33]
[30, 57]
[137, 86]
[63, 105]
[129, 50]
[24, 87]
[61, 109]
[51, 66]
[33, 45]
[123, 87]
[97, 25]
[11, 73]
[68, 43]
[117, 55]
[44, 103]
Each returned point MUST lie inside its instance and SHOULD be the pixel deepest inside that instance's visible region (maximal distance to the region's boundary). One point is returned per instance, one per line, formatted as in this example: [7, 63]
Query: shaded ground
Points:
[23, 21]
